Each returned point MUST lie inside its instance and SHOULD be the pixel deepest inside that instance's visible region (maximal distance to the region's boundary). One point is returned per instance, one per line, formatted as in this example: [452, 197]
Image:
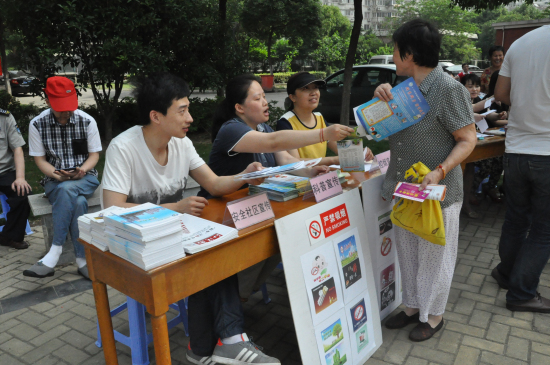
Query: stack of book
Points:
[146, 235]
[91, 227]
[200, 234]
[275, 192]
[297, 182]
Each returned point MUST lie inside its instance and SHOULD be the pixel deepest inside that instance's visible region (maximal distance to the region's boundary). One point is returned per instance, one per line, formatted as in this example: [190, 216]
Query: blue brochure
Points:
[382, 119]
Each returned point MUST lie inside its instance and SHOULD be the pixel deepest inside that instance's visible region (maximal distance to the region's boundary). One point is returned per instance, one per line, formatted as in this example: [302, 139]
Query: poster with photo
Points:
[387, 276]
[386, 250]
[350, 263]
[360, 326]
[320, 270]
[333, 340]
[387, 296]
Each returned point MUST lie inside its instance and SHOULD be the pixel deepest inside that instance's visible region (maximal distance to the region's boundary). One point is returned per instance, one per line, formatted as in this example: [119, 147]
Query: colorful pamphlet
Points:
[351, 155]
[382, 119]
[410, 191]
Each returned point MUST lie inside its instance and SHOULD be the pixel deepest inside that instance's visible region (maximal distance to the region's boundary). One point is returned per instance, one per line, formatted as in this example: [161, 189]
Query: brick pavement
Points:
[478, 329]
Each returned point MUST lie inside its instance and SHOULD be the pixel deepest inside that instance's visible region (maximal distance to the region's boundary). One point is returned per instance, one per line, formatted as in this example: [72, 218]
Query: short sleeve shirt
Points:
[224, 161]
[291, 121]
[10, 139]
[66, 145]
[131, 169]
[430, 141]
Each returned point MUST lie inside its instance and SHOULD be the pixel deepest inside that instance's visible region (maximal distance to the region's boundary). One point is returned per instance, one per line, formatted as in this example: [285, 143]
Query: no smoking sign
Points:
[315, 230]
[385, 247]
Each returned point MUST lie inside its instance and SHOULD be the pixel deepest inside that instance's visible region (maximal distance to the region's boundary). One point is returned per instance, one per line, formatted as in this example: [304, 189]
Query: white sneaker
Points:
[242, 353]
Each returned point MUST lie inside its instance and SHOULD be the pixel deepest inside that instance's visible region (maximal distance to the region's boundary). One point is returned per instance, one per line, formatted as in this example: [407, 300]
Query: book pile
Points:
[147, 235]
[92, 227]
[275, 192]
[272, 171]
[200, 234]
[297, 182]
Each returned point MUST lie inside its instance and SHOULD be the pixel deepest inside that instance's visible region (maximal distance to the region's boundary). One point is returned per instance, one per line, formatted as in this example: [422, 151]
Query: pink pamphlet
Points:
[383, 160]
[325, 186]
[410, 191]
[248, 211]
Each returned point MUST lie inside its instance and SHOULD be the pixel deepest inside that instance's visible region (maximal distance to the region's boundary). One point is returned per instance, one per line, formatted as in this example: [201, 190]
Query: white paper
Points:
[360, 327]
[320, 270]
[333, 340]
[482, 95]
[351, 267]
[482, 125]
[482, 135]
[359, 125]
[488, 112]
[488, 102]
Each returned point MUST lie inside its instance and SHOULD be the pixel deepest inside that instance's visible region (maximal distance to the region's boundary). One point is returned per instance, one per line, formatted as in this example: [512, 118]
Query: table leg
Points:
[105, 323]
[160, 339]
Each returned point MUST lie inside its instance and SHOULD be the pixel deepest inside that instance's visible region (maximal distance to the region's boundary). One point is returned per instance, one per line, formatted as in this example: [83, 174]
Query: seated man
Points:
[65, 144]
[151, 163]
[13, 183]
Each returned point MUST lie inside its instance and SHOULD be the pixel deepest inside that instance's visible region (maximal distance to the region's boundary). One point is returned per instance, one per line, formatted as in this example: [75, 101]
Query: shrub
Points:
[282, 77]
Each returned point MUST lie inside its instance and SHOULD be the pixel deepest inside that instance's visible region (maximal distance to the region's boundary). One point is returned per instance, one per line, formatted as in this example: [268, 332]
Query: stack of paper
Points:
[275, 192]
[272, 171]
[97, 224]
[146, 235]
[84, 228]
[200, 234]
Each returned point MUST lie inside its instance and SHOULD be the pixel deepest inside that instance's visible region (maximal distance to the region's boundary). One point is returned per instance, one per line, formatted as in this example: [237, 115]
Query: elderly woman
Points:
[496, 56]
[443, 139]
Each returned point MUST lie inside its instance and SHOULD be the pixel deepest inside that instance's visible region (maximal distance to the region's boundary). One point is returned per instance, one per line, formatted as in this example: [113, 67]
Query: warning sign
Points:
[385, 247]
[327, 223]
[315, 229]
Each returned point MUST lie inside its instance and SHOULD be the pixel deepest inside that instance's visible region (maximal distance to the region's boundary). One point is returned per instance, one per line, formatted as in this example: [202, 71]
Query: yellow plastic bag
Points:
[423, 219]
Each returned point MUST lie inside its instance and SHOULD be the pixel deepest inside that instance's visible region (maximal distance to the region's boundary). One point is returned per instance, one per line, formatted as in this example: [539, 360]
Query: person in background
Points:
[151, 163]
[465, 71]
[303, 99]
[241, 136]
[65, 144]
[491, 167]
[496, 56]
[524, 248]
[13, 183]
[441, 140]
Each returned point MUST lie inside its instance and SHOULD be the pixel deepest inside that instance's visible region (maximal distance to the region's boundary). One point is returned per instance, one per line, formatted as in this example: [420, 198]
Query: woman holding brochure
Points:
[441, 140]
[240, 136]
[303, 99]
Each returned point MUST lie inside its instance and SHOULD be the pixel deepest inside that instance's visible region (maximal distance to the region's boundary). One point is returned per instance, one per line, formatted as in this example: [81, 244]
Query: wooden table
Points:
[487, 148]
[167, 284]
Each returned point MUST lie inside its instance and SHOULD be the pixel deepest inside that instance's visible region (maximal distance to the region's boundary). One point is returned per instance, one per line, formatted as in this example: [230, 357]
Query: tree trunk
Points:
[269, 39]
[222, 15]
[4, 58]
[354, 39]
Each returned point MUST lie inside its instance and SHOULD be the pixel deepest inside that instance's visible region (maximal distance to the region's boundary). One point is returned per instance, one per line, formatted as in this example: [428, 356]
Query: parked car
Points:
[456, 69]
[445, 63]
[364, 81]
[381, 60]
[20, 82]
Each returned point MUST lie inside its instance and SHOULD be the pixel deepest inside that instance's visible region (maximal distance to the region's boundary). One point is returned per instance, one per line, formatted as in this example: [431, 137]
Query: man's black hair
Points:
[157, 92]
[464, 64]
[421, 39]
[494, 49]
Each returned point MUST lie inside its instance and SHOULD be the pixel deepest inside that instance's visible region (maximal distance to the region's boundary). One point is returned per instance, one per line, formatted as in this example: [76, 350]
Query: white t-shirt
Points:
[527, 63]
[131, 169]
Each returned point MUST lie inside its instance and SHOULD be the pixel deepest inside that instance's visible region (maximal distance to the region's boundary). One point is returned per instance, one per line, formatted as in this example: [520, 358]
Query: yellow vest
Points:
[312, 151]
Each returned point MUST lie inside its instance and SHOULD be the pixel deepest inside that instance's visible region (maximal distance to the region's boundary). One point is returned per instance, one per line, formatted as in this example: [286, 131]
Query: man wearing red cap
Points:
[65, 144]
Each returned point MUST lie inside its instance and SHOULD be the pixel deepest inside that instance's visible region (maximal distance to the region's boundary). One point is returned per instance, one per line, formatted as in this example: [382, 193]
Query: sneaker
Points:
[39, 270]
[84, 272]
[198, 360]
[242, 353]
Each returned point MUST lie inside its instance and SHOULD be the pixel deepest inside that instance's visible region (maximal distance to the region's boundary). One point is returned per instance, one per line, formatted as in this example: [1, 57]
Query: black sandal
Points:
[401, 320]
[423, 331]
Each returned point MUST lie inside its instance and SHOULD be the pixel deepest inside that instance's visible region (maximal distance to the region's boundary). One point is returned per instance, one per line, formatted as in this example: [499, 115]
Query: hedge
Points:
[282, 77]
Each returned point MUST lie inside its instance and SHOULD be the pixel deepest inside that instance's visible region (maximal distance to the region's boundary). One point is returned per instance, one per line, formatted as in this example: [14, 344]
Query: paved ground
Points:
[52, 321]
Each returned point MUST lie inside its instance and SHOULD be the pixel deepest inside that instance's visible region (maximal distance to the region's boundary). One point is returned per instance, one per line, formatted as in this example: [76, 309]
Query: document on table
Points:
[367, 166]
[488, 102]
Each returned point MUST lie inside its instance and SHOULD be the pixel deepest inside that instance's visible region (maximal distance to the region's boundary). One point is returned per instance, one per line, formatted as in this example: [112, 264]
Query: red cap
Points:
[61, 94]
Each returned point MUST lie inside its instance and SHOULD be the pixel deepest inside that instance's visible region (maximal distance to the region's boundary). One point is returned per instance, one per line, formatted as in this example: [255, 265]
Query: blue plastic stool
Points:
[263, 288]
[6, 209]
[139, 338]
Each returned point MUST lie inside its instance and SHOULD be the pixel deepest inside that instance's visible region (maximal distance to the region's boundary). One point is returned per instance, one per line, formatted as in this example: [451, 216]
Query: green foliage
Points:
[282, 77]
[332, 51]
[275, 113]
[332, 21]
[370, 45]
[484, 4]
[452, 21]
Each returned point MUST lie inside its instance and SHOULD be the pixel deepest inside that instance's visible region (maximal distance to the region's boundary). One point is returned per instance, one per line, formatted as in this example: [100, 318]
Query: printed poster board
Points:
[331, 287]
[381, 238]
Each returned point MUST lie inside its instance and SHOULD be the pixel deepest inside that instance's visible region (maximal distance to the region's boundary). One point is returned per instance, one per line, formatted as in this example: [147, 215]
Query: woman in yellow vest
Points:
[303, 99]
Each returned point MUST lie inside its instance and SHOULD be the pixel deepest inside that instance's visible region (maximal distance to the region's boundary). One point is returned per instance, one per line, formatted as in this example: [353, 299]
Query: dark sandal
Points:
[423, 331]
[401, 320]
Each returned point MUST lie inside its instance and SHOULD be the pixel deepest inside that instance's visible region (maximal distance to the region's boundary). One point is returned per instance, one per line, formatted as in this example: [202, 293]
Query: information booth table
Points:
[167, 284]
